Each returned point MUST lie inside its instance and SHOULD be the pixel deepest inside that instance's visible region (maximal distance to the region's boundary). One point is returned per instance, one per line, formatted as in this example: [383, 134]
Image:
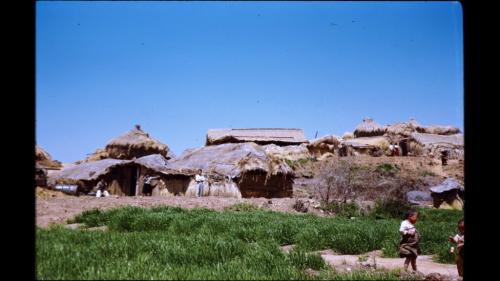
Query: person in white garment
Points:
[101, 189]
[200, 182]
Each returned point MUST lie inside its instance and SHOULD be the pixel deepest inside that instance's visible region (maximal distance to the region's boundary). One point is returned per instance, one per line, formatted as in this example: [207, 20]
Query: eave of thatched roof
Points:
[368, 128]
[261, 136]
[90, 170]
[433, 139]
[44, 160]
[230, 159]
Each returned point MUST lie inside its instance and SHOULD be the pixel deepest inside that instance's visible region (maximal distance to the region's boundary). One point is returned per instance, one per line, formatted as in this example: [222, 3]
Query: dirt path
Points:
[425, 264]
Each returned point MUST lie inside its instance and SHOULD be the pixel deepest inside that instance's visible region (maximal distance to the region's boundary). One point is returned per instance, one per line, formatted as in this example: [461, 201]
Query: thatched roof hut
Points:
[426, 144]
[448, 195]
[368, 128]
[245, 164]
[44, 160]
[135, 144]
[278, 136]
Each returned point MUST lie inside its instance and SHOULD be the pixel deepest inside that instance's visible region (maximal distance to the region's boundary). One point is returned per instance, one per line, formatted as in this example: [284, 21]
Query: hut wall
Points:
[173, 185]
[224, 188]
[254, 184]
[122, 180]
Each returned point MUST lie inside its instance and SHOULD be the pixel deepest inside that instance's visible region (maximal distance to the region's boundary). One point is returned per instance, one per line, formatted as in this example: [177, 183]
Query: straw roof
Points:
[433, 139]
[136, 143]
[277, 136]
[227, 160]
[367, 142]
[89, 171]
[441, 130]
[328, 139]
[44, 160]
[447, 185]
[368, 128]
[288, 152]
[405, 129]
[347, 136]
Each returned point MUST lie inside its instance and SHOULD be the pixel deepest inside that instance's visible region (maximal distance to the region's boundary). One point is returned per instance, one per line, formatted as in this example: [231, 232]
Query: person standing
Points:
[409, 246]
[459, 240]
[200, 182]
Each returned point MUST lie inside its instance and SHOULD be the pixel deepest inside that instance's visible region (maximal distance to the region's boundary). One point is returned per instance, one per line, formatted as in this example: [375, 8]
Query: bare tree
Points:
[339, 179]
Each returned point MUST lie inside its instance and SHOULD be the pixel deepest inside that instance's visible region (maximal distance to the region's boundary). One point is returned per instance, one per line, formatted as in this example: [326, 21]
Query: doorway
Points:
[404, 147]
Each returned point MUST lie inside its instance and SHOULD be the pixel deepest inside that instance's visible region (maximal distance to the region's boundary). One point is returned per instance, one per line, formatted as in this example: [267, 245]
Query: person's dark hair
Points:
[410, 213]
[460, 221]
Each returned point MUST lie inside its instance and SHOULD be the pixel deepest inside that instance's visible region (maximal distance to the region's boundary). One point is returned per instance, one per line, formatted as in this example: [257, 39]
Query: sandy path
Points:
[425, 264]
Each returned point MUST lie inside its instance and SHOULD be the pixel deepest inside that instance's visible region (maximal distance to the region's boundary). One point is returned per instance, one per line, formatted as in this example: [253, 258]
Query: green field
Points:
[175, 243]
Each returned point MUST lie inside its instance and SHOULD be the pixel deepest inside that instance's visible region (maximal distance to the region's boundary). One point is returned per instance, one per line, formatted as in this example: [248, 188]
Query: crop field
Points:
[238, 243]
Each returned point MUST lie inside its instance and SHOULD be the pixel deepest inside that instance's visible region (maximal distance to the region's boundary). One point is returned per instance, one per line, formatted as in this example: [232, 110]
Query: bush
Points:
[390, 208]
[347, 209]
[387, 169]
[242, 207]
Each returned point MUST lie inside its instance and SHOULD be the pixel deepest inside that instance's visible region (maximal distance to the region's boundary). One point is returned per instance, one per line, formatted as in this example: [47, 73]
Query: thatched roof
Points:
[227, 160]
[136, 143]
[432, 139]
[89, 171]
[404, 129]
[44, 160]
[441, 130]
[329, 139]
[447, 185]
[367, 142]
[277, 136]
[368, 128]
[155, 162]
[347, 136]
[288, 152]
[98, 154]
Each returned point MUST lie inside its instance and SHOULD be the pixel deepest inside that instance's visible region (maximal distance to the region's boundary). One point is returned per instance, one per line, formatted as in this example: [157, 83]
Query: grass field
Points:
[239, 243]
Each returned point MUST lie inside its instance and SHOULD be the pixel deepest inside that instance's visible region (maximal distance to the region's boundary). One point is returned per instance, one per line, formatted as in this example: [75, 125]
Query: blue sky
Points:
[180, 68]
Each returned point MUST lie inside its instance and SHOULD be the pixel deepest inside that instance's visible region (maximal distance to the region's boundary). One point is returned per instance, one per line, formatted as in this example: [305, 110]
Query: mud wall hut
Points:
[374, 146]
[235, 170]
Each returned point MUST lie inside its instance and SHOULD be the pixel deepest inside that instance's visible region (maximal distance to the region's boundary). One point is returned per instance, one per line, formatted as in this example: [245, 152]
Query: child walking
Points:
[459, 240]
[409, 246]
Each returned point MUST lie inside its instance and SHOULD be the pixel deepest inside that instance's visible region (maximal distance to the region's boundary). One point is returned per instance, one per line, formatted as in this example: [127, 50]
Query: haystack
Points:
[325, 144]
[263, 136]
[135, 144]
[44, 160]
[368, 128]
[98, 154]
[245, 164]
[404, 129]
